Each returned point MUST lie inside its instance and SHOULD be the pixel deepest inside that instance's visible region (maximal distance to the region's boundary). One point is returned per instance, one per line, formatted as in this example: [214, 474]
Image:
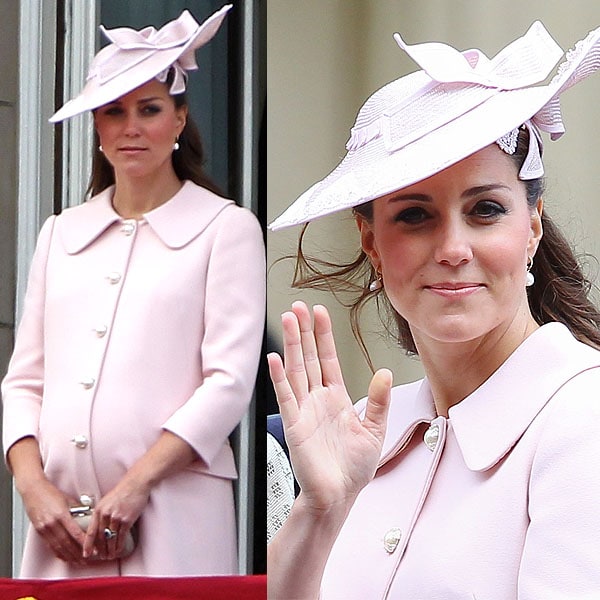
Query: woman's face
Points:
[138, 130]
[453, 249]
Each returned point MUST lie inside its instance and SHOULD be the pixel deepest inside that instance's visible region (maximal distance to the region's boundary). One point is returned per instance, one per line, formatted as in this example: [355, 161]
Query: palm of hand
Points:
[334, 454]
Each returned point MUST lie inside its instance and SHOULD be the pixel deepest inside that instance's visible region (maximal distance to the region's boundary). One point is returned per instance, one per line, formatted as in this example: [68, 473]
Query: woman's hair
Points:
[560, 292]
[188, 161]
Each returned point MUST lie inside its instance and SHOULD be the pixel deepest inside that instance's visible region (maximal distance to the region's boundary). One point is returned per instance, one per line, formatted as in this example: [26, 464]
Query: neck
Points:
[135, 196]
[455, 370]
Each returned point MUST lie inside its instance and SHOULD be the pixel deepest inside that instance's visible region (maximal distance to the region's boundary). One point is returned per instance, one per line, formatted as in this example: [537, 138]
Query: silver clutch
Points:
[82, 516]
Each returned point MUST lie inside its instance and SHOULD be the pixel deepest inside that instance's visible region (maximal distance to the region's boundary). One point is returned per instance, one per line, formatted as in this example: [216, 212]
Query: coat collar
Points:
[176, 222]
[490, 421]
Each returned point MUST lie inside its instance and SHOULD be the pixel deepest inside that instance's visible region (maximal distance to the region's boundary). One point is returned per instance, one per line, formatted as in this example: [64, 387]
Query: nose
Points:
[453, 245]
[132, 127]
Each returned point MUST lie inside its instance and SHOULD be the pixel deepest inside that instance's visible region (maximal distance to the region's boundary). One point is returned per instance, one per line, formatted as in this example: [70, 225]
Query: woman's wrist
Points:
[25, 462]
[28, 481]
[328, 501]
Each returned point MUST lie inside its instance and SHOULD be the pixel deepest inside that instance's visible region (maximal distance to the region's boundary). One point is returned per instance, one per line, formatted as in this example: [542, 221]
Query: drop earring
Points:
[101, 148]
[176, 144]
[377, 283]
[529, 278]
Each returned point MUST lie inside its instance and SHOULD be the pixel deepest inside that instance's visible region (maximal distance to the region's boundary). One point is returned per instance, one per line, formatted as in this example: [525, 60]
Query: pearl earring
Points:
[176, 144]
[376, 284]
[529, 278]
[100, 148]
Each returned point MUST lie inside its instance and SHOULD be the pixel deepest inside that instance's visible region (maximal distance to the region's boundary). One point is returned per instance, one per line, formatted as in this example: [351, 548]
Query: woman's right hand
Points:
[48, 510]
[334, 454]
[46, 506]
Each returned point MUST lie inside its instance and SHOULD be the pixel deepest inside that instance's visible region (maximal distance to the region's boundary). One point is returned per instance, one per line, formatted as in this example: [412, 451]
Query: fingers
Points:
[328, 359]
[100, 542]
[92, 539]
[288, 406]
[293, 356]
[114, 542]
[378, 403]
[301, 357]
[310, 358]
[64, 538]
[309, 346]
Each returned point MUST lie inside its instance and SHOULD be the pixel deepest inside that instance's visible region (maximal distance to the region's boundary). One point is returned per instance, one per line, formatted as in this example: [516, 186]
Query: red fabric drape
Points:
[252, 587]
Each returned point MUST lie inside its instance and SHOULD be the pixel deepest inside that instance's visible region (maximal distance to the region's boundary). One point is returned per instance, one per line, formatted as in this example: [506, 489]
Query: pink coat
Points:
[131, 327]
[504, 505]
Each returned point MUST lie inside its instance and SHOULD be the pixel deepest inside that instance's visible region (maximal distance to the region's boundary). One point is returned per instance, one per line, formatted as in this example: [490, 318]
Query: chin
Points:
[456, 329]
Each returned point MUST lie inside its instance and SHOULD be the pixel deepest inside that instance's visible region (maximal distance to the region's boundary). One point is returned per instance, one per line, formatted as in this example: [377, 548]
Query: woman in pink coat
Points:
[480, 480]
[139, 343]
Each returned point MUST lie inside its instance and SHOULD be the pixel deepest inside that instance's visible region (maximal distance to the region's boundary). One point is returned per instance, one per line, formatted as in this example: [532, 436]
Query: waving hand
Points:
[334, 454]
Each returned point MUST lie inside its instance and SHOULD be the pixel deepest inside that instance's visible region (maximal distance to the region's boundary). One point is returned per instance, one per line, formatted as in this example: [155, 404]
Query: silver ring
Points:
[109, 534]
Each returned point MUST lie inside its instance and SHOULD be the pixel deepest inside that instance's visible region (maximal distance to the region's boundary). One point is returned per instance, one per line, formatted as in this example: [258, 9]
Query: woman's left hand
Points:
[121, 507]
[117, 511]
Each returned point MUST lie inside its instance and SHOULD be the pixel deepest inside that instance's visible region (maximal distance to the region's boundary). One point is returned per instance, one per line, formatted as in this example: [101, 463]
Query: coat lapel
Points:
[490, 421]
[177, 222]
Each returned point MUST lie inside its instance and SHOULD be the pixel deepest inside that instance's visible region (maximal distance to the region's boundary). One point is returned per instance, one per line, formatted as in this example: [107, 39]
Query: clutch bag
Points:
[82, 516]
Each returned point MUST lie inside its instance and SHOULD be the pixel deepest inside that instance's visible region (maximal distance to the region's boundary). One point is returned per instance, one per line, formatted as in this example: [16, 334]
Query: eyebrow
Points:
[140, 101]
[151, 99]
[473, 191]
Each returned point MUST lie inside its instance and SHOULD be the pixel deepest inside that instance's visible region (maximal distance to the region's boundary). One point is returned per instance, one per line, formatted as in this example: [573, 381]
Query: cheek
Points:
[103, 128]
[506, 250]
[164, 132]
[402, 256]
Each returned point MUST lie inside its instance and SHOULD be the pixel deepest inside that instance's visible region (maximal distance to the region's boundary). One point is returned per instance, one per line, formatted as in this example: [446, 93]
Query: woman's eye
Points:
[150, 109]
[113, 110]
[488, 209]
[412, 216]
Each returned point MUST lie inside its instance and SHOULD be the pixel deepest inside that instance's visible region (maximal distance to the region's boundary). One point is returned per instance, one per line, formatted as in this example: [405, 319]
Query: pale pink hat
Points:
[136, 57]
[459, 103]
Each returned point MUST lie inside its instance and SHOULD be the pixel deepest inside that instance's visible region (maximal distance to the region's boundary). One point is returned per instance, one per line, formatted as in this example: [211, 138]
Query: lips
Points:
[454, 288]
[450, 285]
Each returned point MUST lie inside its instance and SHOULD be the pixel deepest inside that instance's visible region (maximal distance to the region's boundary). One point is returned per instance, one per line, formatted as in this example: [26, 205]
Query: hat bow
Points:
[453, 83]
[133, 47]
[525, 62]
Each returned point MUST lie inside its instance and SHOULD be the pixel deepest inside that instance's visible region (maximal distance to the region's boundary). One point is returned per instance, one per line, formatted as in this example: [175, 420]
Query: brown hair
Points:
[188, 161]
[560, 292]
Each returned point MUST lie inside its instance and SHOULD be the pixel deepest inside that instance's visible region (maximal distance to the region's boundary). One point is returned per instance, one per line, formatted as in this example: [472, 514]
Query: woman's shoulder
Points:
[224, 210]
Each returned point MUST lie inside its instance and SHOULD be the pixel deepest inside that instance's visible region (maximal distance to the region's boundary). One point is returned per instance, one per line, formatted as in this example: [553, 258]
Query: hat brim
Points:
[352, 183]
[372, 169]
[96, 94]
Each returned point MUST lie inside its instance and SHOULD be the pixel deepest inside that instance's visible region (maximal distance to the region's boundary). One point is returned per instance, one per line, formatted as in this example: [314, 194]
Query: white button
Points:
[88, 382]
[86, 500]
[391, 539]
[114, 277]
[80, 441]
[128, 227]
[431, 437]
[101, 330]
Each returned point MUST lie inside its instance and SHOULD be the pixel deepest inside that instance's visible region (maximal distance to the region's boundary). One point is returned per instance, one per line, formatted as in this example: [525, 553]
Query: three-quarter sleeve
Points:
[233, 328]
[23, 386]
[561, 556]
